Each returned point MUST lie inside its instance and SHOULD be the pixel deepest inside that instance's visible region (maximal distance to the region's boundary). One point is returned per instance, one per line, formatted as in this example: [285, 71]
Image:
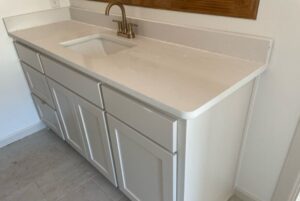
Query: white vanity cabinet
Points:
[161, 158]
[151, 155]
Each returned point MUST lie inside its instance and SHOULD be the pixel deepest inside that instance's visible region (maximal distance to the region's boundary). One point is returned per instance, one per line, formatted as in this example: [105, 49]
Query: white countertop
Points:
[180, 80]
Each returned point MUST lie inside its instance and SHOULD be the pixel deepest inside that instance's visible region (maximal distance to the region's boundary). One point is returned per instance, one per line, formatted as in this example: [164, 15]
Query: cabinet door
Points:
[93, 127]
[48, 116]
[145, 171]
[65, 103]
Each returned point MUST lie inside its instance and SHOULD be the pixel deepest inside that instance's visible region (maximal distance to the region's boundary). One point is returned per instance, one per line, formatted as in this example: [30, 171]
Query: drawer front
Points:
[75, 81]
[154, 125]
[38, 84]
[48, 116]
[29, 56]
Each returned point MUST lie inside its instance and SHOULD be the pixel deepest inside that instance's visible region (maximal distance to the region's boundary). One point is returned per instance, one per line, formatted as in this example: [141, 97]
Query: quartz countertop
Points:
[179, 80]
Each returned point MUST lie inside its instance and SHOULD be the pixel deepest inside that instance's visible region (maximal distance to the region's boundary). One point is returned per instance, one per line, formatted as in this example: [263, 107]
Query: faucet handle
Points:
[131, 33]
[119, 25]
[118, 21]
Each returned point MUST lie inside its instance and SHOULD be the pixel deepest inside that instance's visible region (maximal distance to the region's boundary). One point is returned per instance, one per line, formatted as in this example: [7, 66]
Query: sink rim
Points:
[86, 38]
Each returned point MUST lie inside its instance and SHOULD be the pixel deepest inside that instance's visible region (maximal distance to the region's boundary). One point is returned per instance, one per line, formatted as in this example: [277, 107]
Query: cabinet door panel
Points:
[145, 171]
[65, 104]
[93, 126]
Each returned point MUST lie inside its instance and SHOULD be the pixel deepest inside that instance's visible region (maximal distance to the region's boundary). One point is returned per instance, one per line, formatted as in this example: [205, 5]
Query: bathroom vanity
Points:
[163, 121]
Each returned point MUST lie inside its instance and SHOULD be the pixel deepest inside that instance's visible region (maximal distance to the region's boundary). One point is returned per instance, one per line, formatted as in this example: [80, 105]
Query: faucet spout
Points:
[124, 29]
[121, 6]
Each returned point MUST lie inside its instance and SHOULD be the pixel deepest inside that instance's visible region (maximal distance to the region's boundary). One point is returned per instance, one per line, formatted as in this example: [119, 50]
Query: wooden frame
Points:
[233, 8]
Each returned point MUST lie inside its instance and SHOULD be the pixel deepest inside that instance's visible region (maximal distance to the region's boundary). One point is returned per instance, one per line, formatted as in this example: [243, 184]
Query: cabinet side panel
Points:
[213, 143]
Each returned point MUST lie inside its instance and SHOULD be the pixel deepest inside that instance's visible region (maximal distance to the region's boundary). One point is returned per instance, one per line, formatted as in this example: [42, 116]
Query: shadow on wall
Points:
[288, 186]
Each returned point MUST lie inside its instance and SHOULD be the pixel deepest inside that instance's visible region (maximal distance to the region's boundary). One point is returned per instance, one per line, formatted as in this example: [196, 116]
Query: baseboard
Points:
[245, 196]
[22, 133]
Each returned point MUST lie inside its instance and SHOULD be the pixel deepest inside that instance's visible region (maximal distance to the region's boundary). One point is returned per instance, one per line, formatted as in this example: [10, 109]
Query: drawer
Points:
[48, 116]
[38, 84]
[84, 86]
[152, 124]
[29, 56]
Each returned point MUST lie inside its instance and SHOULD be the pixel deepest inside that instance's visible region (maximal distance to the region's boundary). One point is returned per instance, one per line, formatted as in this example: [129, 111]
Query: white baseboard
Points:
[245, 196]
[22, 133]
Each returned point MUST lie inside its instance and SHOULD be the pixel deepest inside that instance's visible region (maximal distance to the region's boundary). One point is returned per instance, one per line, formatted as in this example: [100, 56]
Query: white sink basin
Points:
[97, 45]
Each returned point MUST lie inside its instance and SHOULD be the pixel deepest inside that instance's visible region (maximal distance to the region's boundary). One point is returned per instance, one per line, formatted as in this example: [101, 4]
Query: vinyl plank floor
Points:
[234, 198]
[42, 167]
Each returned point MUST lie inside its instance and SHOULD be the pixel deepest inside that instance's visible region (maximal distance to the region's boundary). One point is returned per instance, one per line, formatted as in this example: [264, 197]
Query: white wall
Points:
[278, 102]
[17, 112]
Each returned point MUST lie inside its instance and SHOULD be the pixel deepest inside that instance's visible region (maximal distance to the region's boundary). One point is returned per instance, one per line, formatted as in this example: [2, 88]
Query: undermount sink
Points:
[97, 45]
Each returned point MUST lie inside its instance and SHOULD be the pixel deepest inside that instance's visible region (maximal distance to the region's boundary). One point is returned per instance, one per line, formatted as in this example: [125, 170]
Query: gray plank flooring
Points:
[42, 167]
[234, 198]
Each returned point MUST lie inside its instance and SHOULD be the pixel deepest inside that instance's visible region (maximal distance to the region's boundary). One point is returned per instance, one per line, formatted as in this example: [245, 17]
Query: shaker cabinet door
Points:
[65, 103]
[93, 127]
[145, 171]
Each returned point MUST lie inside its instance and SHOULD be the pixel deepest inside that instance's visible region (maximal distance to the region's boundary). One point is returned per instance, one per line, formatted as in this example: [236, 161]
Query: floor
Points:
[234, 199]
[42, 167]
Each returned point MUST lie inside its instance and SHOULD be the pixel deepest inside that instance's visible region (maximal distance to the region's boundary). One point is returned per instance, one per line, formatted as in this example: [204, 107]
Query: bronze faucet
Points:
[124, 29]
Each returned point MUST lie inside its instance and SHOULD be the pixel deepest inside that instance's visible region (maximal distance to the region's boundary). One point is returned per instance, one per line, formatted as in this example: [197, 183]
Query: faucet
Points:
[124, 29]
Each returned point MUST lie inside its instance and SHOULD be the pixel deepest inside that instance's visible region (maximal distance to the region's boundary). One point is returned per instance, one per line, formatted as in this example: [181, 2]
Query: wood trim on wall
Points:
[233, 8]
